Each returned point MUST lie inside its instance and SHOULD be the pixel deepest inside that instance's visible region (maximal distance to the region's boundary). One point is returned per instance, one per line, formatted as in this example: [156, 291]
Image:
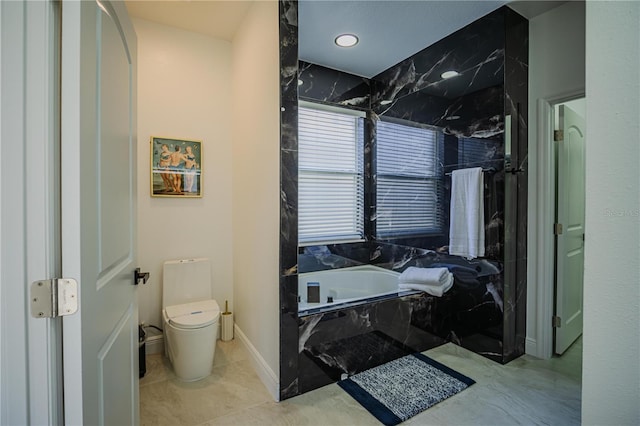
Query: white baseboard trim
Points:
[263, 370]
[154, 344]
[531, 347]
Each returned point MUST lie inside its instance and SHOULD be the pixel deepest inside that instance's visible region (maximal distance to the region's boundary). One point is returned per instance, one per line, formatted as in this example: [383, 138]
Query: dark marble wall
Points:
[491, 56]
[475, 51]
[320, 84]
[288, 198]
[352, 340]
[485, 310]
[516, 106]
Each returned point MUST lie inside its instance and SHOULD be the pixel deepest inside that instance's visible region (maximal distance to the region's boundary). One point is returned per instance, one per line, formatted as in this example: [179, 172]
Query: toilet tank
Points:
[186, 280]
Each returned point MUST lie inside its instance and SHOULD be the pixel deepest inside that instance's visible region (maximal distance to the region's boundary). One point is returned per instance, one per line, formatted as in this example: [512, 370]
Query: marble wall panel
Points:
[478, 114]
[288, 136]
[326, 85]
[476, 52]
[288, 15]
[351, 340]
[516, 104]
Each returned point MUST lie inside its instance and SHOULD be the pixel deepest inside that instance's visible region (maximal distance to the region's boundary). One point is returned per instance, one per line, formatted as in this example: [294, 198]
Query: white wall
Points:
[227, 94]
[611, 343]
[184, 91]
[256, 185]
[556, 70]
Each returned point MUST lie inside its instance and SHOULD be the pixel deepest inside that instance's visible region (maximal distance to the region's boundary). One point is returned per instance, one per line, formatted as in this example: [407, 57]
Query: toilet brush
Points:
[227, 323]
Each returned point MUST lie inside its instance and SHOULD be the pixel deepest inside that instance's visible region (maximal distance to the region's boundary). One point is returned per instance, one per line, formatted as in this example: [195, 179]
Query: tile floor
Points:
[525, 391]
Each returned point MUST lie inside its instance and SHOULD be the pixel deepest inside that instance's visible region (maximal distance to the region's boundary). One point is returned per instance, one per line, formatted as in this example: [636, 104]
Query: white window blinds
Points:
[409, 180]
[330, 176]
[473, 152]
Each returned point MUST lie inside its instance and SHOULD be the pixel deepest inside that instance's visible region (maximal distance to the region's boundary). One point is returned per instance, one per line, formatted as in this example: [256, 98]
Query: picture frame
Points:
[176, 167]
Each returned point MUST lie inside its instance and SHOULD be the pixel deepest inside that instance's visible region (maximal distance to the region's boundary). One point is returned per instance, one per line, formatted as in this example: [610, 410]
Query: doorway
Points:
[569, 170]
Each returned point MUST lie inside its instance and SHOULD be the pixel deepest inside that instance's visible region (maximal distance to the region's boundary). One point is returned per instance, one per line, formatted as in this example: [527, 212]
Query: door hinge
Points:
[557, 228]
[556, 321]
[54, 298]
[558, 135]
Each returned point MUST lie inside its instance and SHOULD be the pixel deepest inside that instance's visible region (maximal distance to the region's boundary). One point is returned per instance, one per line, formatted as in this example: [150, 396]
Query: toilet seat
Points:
[193, 315]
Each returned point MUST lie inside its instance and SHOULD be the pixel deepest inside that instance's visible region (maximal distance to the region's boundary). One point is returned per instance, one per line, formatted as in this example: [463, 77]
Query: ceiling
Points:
[219, 19]
[389, 30]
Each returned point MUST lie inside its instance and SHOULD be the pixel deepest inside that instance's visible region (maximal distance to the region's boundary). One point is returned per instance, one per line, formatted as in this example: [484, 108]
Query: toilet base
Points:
[191, 351]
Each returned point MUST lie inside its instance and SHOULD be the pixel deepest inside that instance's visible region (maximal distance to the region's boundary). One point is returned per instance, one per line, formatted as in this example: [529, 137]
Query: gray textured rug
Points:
[400, 389]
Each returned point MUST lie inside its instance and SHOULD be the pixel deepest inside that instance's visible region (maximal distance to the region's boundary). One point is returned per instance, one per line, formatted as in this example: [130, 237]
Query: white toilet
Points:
[190, 317]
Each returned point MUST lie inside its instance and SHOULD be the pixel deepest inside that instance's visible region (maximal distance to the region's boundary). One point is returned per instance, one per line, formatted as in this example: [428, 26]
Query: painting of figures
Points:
[176, 167]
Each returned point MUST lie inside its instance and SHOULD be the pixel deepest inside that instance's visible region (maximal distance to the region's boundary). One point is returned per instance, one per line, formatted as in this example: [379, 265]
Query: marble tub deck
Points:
[525, 391]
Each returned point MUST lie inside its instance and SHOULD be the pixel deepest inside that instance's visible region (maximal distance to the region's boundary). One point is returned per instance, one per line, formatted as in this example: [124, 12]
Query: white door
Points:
[98, 159]
[570, 243]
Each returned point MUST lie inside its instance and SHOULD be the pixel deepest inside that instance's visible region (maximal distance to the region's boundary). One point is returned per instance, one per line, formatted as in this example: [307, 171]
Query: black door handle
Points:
[137, 276]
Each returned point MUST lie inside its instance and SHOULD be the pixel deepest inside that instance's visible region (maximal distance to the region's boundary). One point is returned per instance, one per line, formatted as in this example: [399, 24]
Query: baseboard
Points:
[154, 344]
[263, 370]
[531, 347]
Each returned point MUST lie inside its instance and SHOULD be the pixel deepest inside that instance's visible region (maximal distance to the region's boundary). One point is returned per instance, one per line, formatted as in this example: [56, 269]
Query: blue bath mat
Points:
[400, 389]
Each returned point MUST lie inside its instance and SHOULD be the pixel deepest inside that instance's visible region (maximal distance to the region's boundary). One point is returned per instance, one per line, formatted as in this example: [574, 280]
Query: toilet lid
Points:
[194, 314]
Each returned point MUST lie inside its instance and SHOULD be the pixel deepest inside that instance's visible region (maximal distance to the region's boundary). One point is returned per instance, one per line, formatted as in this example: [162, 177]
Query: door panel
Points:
[570, 244]
[115, 364]
[98, 212]
[114, 147]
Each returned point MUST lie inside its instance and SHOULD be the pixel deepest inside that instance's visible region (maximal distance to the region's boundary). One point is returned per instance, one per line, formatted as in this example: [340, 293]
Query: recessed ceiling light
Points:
[346, 40]
[300, 82]
[449, 74]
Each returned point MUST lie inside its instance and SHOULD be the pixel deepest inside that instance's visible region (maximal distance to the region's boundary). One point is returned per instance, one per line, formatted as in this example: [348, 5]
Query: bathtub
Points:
[346, 286]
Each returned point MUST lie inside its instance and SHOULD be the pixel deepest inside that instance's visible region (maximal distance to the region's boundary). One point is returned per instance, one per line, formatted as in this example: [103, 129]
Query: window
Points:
[474, 152]
[330, 175]
[409, 180]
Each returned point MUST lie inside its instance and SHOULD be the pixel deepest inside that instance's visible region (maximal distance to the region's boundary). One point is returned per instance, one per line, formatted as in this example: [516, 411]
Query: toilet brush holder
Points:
[227, 324]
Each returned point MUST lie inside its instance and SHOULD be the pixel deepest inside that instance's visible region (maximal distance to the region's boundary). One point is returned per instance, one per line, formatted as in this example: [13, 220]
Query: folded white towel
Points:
[466, 221]
[434, 290]
[427, 276]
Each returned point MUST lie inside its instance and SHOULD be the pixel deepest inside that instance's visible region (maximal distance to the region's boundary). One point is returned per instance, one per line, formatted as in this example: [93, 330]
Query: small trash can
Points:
[142, 351]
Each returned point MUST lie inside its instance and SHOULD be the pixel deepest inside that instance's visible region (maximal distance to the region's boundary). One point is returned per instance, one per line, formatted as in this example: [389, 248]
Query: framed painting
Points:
[176, 167]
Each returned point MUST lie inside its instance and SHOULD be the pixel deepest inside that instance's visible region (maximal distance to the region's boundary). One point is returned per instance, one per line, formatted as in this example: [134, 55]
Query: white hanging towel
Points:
[466, 226]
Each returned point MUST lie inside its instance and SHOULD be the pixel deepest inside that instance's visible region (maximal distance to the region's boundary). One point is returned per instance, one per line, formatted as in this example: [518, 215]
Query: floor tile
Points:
[525, 391]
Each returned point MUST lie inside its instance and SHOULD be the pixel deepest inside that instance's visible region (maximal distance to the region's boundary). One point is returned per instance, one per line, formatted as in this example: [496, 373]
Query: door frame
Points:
[542, 224]
[30, 359]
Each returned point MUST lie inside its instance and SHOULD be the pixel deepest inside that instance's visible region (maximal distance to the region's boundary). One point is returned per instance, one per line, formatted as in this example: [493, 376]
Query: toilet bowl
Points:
[190, 318]
[191, 331]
